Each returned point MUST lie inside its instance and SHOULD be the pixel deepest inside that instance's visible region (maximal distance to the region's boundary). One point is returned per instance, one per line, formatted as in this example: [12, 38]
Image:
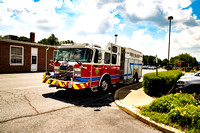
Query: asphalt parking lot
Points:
[28, 105]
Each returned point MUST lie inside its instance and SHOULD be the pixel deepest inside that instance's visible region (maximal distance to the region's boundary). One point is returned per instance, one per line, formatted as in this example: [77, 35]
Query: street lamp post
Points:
[169, 18]
[156, 66]
[116, 39]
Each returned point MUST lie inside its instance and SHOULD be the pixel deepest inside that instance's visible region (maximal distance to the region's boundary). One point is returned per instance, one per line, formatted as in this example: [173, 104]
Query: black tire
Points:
[105, 84]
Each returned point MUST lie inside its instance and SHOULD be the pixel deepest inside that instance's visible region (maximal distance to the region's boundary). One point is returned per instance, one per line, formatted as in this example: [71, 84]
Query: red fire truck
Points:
[85, 66]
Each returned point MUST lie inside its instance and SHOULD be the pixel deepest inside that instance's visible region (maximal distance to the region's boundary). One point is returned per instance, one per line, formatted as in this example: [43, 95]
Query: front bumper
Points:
[65, 84]
[179, 86]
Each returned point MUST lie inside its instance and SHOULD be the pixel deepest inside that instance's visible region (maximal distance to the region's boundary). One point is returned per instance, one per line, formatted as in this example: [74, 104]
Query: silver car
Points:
[188, 85]
[191, 75]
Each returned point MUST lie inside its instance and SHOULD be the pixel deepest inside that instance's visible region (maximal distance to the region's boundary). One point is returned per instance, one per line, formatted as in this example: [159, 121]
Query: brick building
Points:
[18, 56]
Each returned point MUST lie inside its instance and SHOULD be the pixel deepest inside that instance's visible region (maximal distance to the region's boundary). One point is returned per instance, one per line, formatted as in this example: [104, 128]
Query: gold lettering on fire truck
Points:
[97, 71]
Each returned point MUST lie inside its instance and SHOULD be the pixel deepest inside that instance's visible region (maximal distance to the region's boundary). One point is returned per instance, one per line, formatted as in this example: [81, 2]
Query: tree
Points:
[43, 41]
[164, 62]
[145, 60]
[159, 62]
[186, 60]
[52, 40]
[67, 42]
[1, 37]
[23, 38]
[151, 60]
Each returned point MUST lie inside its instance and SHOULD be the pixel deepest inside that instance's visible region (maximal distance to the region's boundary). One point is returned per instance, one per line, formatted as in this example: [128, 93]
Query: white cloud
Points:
[187, 41]
[121, 26]
[144, 42]
[158, 11]
[93, 23]
[94, 20]
[87, 21]
[30, 16]
[141, 8]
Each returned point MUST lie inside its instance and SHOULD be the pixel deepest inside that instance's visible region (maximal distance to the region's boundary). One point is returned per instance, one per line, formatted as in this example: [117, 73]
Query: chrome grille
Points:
[66, 72]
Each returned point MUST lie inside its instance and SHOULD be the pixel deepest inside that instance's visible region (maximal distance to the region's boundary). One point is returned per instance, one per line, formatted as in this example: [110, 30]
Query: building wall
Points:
[5, 66]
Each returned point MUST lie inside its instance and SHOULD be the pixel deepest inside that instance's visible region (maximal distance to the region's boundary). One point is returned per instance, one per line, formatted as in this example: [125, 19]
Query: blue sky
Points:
[140, 24]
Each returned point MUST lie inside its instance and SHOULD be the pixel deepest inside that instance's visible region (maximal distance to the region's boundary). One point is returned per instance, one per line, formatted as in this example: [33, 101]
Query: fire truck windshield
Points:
[74, 54]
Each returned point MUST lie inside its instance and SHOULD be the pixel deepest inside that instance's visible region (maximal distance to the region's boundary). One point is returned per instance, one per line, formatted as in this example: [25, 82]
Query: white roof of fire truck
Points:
[83, 45]
[87, 45]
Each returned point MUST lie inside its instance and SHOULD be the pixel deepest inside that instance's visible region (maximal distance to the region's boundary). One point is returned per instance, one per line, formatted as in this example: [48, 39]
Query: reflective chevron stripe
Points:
[65, 84]
[75, 87]
[54, 82]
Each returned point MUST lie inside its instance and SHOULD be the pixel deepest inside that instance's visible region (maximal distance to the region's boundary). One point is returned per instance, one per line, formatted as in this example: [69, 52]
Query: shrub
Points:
[161, 84]
[175, 109]
[188, 116]
[159, 117]
[165, 103]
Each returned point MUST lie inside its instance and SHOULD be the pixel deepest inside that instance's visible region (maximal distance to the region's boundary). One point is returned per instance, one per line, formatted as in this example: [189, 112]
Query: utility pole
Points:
[156, 66]
[169, 18]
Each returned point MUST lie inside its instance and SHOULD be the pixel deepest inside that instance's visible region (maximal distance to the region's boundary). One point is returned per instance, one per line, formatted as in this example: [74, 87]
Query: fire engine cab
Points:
[88, 66]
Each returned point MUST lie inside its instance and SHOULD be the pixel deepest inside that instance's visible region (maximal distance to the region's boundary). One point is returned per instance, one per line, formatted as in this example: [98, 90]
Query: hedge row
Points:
[161, 84]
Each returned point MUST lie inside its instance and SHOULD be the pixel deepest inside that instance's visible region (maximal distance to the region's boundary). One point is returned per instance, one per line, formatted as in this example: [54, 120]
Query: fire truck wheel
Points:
[105, 84]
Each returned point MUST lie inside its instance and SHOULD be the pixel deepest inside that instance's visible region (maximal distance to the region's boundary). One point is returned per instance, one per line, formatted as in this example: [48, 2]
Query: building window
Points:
[16, 55]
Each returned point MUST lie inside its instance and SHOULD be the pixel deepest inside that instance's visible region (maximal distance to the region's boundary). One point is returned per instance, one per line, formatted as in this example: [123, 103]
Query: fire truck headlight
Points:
[77, 72]
[77, 75]
[77, 69]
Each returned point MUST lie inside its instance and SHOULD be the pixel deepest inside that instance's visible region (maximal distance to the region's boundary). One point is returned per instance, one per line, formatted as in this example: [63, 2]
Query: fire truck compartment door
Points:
[34, 59]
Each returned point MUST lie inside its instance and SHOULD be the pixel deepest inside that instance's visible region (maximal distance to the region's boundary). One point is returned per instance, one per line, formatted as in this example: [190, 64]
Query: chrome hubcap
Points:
[104, 85]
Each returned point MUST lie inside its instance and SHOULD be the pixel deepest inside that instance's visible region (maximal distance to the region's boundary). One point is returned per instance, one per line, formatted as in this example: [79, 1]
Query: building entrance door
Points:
[34, 59]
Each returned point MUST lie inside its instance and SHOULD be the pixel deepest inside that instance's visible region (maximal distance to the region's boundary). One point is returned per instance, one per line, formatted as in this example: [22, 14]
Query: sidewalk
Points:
[128, 98]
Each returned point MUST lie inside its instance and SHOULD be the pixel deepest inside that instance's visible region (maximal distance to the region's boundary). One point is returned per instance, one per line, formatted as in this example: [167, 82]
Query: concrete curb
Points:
[134, 111]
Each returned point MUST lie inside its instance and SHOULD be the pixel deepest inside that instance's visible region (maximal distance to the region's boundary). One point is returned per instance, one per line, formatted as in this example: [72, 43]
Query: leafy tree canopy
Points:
[186, 60]
[23, 38]
[51, 40]
[67, 42]
[43, 41]
[164, 62]
[151, 60]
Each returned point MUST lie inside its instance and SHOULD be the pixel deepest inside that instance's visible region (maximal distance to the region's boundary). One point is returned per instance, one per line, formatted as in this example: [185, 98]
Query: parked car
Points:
[188, 85]
[145, 67]
[152, 67]
[191, 75]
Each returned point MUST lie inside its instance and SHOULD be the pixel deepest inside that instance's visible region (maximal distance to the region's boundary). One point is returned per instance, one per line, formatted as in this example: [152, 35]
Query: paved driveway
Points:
[28, 105]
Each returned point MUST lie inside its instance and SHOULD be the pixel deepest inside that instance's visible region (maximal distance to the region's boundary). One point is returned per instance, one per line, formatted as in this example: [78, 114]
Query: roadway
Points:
[28, 105]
